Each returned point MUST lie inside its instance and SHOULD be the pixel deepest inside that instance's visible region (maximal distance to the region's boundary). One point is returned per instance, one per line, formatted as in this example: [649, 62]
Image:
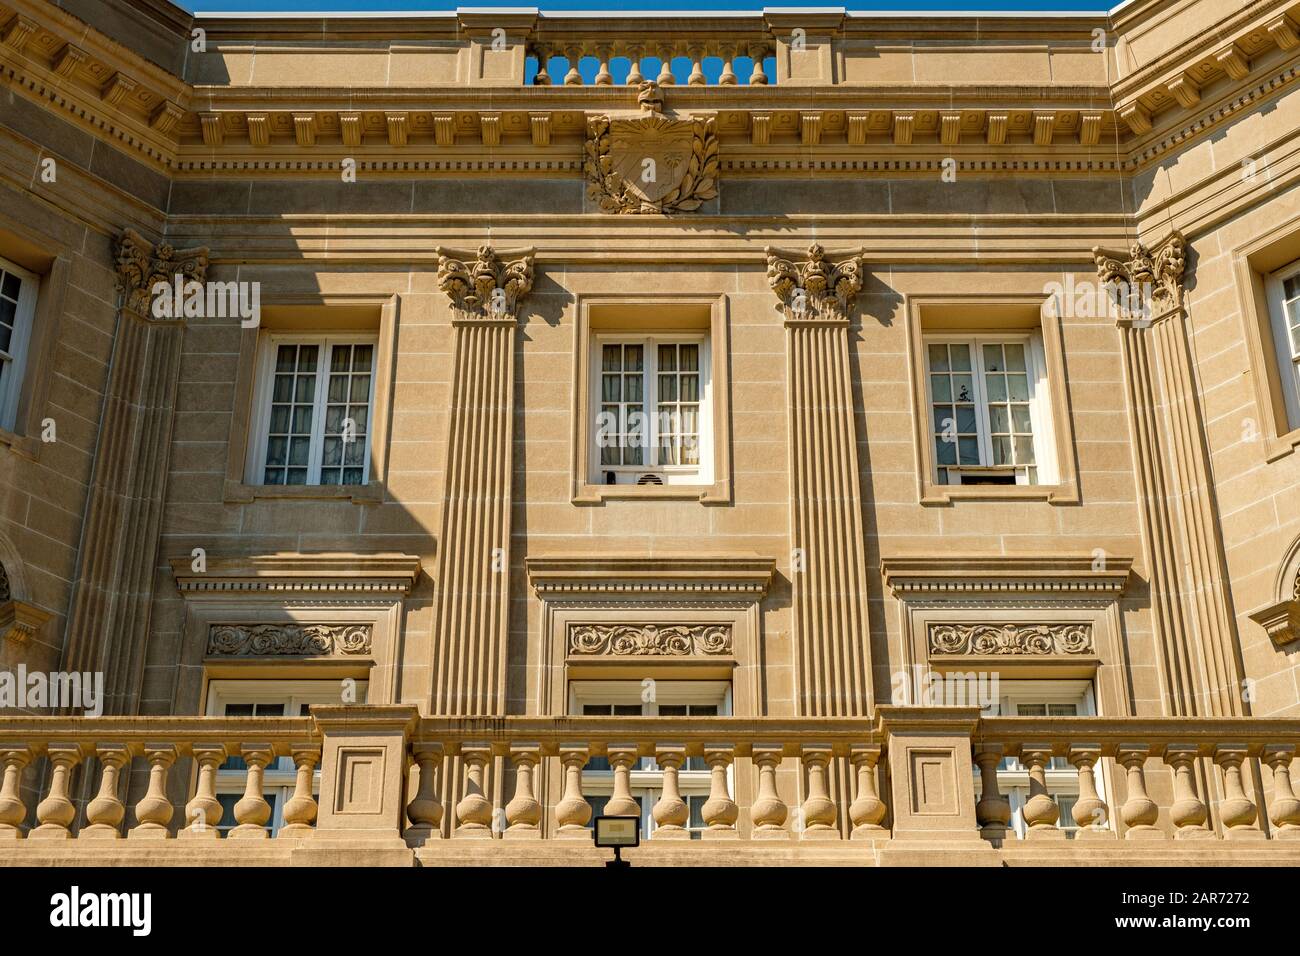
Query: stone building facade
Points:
[825, 437]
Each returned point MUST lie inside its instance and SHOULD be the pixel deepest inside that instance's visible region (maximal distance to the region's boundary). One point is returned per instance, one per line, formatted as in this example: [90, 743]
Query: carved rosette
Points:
[815, 289]
[1146, 285]
[999, 640]
[488, 287]
[288, 640]
[650, 163]
[142, 265]
[649, 640]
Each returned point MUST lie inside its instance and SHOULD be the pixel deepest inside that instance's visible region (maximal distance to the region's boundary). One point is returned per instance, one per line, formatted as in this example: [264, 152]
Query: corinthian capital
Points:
[142, 265]
[487, 287]
[815, 289]
[1146, 285]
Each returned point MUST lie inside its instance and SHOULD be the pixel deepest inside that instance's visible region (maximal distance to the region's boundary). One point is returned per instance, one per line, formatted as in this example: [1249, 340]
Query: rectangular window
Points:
[315, 398]
[989, 418]
[17, 308]
[1284, 315]
[652, 424]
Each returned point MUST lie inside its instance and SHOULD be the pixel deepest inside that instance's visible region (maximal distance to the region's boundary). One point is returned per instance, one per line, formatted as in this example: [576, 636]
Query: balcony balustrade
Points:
[906, 778]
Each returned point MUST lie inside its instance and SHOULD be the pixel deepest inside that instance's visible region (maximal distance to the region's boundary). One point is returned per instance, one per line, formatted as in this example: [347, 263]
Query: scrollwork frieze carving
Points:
[649, 640]
[1001, 640]
[288, 640]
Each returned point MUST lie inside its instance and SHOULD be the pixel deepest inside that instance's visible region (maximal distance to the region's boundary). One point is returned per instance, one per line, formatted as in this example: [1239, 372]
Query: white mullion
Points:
[650, 398]
[264, 386]
[370, 412]
[982, 424]
[316, 439]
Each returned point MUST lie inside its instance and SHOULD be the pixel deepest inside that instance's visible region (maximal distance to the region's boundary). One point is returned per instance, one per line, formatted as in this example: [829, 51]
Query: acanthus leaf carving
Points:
[999, 640]
[649, 640]
[489, 286]
[815, 288]
[141, 265]
[1146, 285]
[288, 640]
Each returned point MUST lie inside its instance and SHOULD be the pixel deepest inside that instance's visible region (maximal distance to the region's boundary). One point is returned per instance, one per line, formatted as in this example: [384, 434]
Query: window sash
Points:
[1283, 288]
[321, 403]
[13, 360]
[653, 396]
[1042, 469]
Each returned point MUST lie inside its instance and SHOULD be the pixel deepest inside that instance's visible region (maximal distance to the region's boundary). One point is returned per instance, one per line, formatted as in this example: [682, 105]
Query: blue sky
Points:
[266, 6]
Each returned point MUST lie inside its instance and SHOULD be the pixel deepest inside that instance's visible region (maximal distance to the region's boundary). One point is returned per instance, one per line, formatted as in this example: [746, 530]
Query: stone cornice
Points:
[378, 575]
[670, 574]
[1055, 574]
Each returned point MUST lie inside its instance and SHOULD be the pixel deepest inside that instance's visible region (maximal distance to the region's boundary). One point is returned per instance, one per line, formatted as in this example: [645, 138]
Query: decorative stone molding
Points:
[651, 163]
[1281, 620]
[486, 288]
[20, 621]
[815, 289]
[1147, 284]
[997, 640]
[996, 578]
[288, 640]
[555, 577]
[649, 640]
[141, 265]
[323, 575]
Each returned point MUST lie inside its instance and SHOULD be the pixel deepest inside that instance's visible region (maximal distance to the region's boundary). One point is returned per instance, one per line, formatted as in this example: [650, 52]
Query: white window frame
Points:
[13, 364]
[646, 779]
[280, 777]
[1061, 777]
[701, 474]
[1288, 356]
[1040, 409]
[262, 391]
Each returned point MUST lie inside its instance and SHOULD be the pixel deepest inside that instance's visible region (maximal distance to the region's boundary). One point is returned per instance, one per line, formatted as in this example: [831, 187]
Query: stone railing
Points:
[906, 783]
[559, 61]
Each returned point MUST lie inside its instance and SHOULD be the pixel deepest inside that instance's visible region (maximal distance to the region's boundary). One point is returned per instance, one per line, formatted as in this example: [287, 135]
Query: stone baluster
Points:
[252, 811]
[757, 77]
[573, 811]
[573, 52]
[719, 811]
[154, 811]
[604, 52]
[1238, 812]
[56, 812]
[105, 813]
[769, 811]
[474, 811]
[12, 809]
[1188, 811]
[424, 811]
[1040, 810]
[665, 77]
[543, 52]
[1139, 811]
[1285, 810]
[670, 811]
[300, 809]
[204, 811]
[634, 53]
[993, 812]
[696, 52]
[1090, 812]
[524, 812]
[818, 809]
[867, 809]
[622, 758]
[728, 75]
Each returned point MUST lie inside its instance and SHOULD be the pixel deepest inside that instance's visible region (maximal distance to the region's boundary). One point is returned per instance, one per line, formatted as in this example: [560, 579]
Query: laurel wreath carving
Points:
[607, 187]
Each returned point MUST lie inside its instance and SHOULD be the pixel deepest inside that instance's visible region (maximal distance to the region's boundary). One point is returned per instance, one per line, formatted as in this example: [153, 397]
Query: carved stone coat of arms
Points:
[651, 162]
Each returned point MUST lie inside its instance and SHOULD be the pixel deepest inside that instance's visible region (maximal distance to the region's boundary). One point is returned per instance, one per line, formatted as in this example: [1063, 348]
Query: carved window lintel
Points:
[1015, 640]
[649, 640]
[289, 640]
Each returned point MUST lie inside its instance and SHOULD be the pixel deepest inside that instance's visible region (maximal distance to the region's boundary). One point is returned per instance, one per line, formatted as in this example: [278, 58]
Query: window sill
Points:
[936, 494]
[591, 494]
[370, 494]
[25, 445]
[1279, 446]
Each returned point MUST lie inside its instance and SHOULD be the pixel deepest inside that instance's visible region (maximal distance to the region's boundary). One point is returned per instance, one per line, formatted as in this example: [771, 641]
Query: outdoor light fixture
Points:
[618, 832]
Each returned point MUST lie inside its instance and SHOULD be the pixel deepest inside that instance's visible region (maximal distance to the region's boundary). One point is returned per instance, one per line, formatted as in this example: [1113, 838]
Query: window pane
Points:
[1015, 355]
[941, 388]
[966, 419]
[945, 452]
[633, 358]
[609, 388]
[1001, 450]
[996, 386]
[1020, 418]
[993, 359]
[944, 419]
[962, 388]
[632, 388]
[307, 358]
[969, 451]
[1024, 451]
[960, 357]
[667, 388]
[690, 388]
[610, 358]
[938, 358]
[667, 358]
[999, 419]
[361, 357]
[10, 285]
[690, 356]
[1018, 387]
